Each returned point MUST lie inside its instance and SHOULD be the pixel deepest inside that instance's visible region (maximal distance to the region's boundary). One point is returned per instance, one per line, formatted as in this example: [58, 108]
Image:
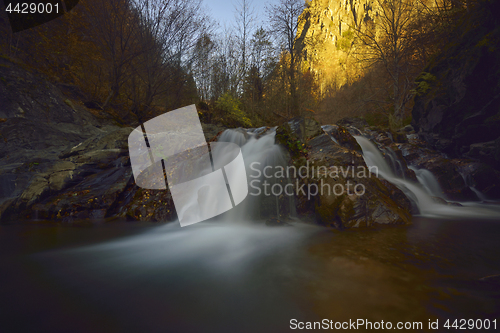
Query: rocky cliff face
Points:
[457, 107]
[326, 32]
[60, 162]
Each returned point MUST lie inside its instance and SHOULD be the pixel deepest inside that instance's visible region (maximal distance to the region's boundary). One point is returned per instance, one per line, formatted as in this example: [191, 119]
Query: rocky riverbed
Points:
[60, 161]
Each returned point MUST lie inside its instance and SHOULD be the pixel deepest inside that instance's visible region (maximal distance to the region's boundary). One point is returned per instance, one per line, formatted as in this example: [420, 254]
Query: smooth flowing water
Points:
[230, 274]
[422, 193]
[217, 277]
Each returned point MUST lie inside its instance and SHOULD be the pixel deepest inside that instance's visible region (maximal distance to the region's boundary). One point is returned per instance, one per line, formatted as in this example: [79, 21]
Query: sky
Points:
[223, 11]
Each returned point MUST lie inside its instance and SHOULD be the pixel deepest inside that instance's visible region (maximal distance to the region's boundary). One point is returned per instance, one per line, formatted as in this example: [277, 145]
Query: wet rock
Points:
[448, 172]
[350, 210]
[332, 170]
[449, 177]
[441, 201]
[395, 158]
[137, 204]
[291, 142]
[480, 176]
[384, 139]
[100, 157]
[304, 128]
[349, 196]
[342, 136]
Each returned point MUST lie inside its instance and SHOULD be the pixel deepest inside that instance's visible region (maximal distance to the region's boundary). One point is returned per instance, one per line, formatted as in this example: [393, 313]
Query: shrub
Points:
[231, 108]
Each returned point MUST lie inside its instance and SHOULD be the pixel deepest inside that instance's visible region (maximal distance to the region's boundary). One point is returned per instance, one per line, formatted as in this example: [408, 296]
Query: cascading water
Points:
[396, 163]
[469, 182]
[216, 250]
[261, 156]
[251, 194]
[429, 182]
[422, 193]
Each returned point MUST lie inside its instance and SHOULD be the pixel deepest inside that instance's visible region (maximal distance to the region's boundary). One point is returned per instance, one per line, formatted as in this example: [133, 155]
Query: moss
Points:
[424, 82]
[291, 142]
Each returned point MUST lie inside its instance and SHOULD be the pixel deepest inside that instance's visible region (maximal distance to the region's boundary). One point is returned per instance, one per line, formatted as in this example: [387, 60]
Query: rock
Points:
[94, 195]
[212, 131]
[484, 151]
[63, 165]
[398, 137]
[305, 128]
[448, 172]
[93, 105]
[384, 139]
[481, 176]
[102, 157]
[342, 136]
[449, 177]
[380, 203]
[333, 162]
[110, 138]
[137, 204]
[458, 101]
[408, 129]
[356, 122]
[29, 95]
[291, 142]
[374, 207]
[329, 23]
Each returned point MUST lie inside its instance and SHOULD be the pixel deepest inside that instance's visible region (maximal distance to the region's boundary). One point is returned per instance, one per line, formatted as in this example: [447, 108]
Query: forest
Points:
[137, 59]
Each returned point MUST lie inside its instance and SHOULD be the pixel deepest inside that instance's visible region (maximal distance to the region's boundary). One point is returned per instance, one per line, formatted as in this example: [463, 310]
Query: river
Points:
[232, 275]
[221, 277]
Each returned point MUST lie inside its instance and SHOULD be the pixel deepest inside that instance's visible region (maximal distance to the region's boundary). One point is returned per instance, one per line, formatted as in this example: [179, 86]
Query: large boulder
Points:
[337, 188]
[349, 196]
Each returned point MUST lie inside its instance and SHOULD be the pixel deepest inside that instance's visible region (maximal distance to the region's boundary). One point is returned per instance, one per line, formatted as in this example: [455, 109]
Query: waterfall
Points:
[259, 152]
[422, 193]
[429, 182]
[470, 183]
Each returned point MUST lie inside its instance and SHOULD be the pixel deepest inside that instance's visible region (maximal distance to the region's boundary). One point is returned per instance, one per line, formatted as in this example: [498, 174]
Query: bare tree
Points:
[114, 30]
[284, 21]
[245, 22]
[226, 74]
[388, 41]
[203, 65]
[169, 33]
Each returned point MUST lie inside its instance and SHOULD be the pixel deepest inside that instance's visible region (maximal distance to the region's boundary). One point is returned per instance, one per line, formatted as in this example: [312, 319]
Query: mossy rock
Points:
[288, 139]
